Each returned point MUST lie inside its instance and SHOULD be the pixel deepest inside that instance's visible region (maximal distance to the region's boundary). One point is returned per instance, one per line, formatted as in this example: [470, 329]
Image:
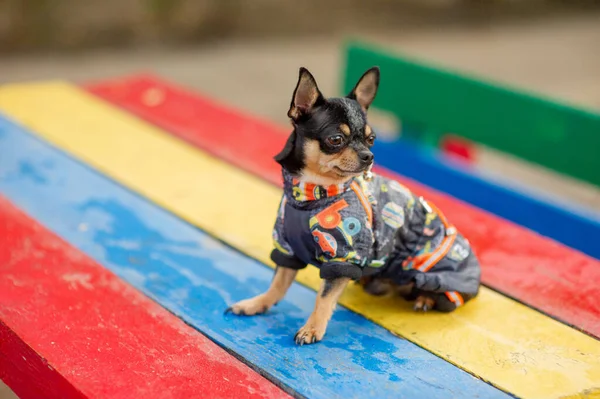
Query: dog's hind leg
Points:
[442, 302]
[282, 280]
[376, 286]
[316, 325]
[382, 286]
[424, 303]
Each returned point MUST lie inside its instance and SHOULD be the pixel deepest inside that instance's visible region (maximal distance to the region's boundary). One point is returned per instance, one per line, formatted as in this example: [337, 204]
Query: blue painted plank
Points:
[578, 228]
[196, 277]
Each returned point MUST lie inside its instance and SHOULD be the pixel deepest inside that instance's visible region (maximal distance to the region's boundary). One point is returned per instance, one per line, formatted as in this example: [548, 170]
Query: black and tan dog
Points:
[335, 214]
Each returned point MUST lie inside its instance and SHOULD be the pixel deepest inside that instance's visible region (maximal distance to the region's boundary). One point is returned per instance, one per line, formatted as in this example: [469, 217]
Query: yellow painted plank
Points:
[499, 340]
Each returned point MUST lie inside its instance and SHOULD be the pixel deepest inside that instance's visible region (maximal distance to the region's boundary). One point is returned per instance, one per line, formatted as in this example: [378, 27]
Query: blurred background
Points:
[247, 53]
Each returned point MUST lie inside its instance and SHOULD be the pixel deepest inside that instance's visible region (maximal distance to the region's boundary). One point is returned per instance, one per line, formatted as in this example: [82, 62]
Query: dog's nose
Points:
[366, 156]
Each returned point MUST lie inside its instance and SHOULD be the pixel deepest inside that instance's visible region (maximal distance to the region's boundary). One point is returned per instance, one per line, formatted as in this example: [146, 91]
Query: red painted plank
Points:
[71, 329]
[538, 271]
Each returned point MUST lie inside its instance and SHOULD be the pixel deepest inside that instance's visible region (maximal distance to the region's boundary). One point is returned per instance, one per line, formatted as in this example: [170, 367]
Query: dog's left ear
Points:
[365, 90]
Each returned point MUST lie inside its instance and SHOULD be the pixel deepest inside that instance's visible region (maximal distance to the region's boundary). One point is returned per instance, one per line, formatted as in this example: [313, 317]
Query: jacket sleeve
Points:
[282, 254]
[343, 251]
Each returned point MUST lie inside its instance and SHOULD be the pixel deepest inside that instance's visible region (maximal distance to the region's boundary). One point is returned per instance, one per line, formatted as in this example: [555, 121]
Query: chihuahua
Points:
[354, 225]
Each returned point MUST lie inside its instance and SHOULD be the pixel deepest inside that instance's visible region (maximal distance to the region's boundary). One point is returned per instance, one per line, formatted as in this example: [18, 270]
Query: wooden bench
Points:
[158, 248]
[94, 334]
[514, 258]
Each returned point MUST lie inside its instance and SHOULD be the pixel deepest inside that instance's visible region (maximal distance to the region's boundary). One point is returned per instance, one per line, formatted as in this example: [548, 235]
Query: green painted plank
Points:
[436, 102]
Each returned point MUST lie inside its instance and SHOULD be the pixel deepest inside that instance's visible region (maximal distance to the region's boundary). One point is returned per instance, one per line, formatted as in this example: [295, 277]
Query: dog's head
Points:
[331, 140]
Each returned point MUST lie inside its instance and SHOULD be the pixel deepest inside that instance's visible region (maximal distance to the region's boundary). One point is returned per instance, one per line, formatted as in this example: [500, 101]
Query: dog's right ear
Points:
[306, 96]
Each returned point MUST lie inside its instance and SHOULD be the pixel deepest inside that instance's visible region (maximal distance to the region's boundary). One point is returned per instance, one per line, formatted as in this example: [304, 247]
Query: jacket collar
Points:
[303, 192]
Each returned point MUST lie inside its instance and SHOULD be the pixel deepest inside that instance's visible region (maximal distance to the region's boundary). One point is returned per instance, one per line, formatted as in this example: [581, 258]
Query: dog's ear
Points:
[306, 95]
[287, 150]
[365, 90]
[288, 158]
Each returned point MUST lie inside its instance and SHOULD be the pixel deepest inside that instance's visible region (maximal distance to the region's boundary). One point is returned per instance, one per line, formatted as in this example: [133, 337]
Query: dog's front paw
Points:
[250, 307]
[310, 333]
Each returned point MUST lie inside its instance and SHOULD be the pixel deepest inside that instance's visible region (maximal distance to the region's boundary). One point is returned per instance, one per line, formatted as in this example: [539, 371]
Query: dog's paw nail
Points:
[264, 309]
[307, 337]
[228, 310]
[300, 338]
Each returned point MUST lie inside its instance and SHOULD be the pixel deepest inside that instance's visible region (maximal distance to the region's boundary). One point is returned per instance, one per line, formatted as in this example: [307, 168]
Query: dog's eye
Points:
[335, 141]
[371, 140]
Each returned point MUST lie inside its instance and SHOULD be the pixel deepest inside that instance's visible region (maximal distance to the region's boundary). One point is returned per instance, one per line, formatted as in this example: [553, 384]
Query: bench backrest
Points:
[432, 102]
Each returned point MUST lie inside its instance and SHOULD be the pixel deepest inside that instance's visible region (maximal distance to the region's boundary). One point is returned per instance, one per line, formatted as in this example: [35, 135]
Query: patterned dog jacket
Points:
[376, 227]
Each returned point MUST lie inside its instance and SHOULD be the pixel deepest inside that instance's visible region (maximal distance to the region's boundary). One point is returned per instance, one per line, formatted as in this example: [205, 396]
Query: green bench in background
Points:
[431, 102]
